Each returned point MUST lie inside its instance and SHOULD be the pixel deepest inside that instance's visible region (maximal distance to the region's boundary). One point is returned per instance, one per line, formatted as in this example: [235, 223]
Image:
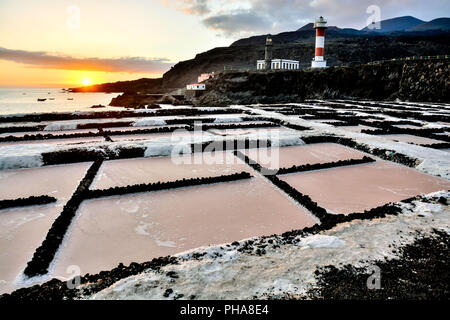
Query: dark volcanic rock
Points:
[426, 81]
[413, 81]
[140, 100]
[172, 99]
[421, 271]
[134, 100]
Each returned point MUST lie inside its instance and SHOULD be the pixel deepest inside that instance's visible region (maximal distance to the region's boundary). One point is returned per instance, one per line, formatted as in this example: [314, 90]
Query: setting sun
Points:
[86, 82]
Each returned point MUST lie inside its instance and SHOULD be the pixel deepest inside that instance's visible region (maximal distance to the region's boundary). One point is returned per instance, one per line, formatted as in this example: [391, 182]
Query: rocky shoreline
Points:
[408, 81]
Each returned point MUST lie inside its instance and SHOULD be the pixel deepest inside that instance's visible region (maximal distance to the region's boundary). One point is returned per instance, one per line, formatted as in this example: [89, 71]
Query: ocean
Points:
[24, 100]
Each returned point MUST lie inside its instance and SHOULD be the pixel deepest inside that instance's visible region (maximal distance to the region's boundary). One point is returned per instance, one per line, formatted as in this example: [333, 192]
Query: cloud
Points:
[234, 18]
[45, 60]
[192, 7]
[199, 7]
[241, 23]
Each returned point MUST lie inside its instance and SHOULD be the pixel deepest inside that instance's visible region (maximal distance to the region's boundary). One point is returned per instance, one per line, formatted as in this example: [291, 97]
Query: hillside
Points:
[143, 84]
[436, 24]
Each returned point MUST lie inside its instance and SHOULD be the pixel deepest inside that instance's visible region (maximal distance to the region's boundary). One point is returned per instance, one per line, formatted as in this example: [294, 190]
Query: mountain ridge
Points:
[436, 24]
[396, 24]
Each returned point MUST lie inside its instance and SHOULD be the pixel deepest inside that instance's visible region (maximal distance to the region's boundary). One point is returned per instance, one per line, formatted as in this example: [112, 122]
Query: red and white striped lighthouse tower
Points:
[320, 25]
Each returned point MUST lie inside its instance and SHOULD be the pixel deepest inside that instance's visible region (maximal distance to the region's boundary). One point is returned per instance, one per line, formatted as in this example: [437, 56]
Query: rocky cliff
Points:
[413, 81]
[425, 82]
[343, 46]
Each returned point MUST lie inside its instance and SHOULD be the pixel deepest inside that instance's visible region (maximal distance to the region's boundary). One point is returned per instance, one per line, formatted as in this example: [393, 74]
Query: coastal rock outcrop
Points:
[410, 81]
[425, 82]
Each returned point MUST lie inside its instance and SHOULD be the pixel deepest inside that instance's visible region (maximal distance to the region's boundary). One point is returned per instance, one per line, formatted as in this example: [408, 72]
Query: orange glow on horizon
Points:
[16, 75]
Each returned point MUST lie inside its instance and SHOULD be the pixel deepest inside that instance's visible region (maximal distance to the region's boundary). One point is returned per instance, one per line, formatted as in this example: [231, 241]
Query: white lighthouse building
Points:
[320, 25]
[275, 64]
[279, 64]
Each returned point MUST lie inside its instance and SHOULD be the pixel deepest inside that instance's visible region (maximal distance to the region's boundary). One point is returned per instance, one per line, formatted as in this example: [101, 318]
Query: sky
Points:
[59, 43]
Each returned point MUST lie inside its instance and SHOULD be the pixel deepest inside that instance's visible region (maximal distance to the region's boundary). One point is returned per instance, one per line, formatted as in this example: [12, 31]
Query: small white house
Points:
[279, 64]
[196, 86]
[205, 76]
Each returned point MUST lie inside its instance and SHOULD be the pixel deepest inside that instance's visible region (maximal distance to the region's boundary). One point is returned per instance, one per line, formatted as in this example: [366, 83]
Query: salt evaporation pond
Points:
[56, 181]
[73, 124]
[358, 128]
[266, 132]
[408, 138]
[149, 170]
[275, 158]
[328, 120]
[23, 229]
[57, 141]
[115, 129]
[55, 133]
[408, 126]
[361, 187]
[175, 136]
[139, 227]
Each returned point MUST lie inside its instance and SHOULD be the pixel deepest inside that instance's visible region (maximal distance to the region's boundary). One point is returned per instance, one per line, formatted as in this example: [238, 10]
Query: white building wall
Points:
[279, 64]
[196, 86]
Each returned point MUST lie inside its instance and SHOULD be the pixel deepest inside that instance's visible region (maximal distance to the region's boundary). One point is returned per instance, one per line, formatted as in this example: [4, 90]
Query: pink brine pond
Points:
[23, 229]
[408, 138]
[275, 158]
[362, 187]
[150, 170]
[144, 226]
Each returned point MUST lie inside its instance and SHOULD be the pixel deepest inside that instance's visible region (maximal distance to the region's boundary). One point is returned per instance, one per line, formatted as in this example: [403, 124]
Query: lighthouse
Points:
[268, 55]
[320, 25]
[275, 64]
